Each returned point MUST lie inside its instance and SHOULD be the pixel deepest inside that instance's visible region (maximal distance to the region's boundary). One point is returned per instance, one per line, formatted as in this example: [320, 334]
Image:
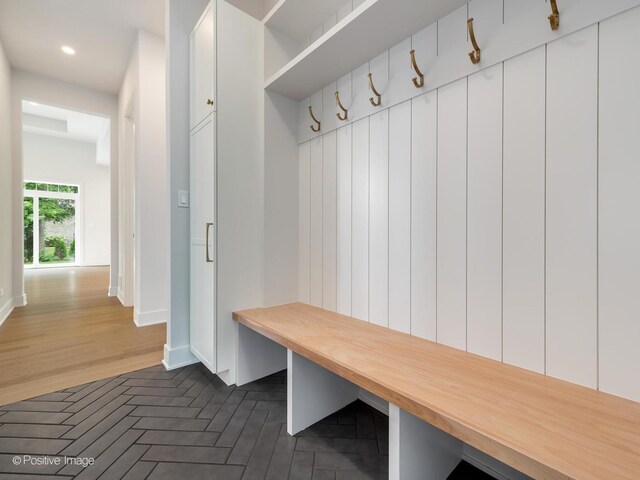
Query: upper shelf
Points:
[297, 18]
[369, 30]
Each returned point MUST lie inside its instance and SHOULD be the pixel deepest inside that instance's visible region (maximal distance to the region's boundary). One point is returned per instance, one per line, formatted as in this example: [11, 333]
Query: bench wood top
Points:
[544, 427]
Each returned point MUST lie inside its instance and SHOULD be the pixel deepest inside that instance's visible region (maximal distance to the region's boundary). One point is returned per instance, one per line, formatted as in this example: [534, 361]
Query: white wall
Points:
[59, 160]
[501, 207]
[182, 16]
[6, 197]
[28, 86]
[145, 84]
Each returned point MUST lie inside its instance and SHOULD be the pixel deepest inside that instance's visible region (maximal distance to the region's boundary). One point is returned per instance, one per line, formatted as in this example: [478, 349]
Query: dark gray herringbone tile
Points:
[154, 424]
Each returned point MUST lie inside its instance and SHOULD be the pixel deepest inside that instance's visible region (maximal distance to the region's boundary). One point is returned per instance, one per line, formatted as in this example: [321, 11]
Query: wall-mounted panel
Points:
[329, 222]
[304, 221]
[572, 189]
[379, 218]
[344, 189]
[400, 85]
[315, 249]
[484, 222]
[452, 215]
[400, 217]
[424, 131]
[619, 196]
[524, 213]
[360, 227]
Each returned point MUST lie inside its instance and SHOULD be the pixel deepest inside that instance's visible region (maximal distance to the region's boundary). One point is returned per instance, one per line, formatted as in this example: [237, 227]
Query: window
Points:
[50, 226]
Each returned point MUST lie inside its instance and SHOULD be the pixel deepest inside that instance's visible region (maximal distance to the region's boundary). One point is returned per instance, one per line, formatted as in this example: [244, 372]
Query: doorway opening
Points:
[67, 188]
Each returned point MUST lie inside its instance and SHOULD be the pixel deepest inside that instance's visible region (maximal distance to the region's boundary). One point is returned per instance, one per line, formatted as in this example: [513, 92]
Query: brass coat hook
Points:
[475, 55]
[378, 101]
[312, 127]
[419, 80]
[554, 18]
[345, 112]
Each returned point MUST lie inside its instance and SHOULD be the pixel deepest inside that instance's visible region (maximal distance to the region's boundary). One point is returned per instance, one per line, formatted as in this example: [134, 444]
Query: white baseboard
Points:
[6, 310]
[113, 291]
[178, 357]
[225, 376]
[374, 401]
[20, 300]
[144, 319]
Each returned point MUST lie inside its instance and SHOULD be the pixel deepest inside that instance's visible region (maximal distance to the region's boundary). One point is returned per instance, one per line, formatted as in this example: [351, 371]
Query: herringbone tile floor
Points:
[185, 424]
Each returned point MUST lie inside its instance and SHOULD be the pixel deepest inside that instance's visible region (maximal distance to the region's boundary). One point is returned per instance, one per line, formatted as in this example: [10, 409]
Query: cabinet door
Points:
[203, 251]
[203, 67]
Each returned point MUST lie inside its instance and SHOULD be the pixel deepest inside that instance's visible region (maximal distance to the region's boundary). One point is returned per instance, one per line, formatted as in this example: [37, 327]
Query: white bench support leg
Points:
[313, 393]
[418, 450]
[257, 356]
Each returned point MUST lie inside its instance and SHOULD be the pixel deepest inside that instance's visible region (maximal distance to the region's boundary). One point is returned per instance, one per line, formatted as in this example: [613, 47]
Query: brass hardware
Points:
[375, 103]
[206, 246]
[209, 101]
[344, 110]
[475, 55]
[314, 128]
[419, 80]
[554, 18]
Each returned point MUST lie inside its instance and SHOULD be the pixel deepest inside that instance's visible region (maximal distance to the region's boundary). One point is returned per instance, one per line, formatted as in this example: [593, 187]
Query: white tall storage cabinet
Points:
[226, 167]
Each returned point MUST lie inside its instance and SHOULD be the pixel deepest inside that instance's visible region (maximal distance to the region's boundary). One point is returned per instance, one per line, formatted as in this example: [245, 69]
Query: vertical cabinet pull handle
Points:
[206, 246]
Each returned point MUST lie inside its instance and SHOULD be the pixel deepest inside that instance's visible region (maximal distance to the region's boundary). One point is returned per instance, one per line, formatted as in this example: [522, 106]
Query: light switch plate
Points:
[183, 198]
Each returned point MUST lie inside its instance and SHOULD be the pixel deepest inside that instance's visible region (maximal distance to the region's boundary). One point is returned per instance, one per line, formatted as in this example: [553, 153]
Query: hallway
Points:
[70, 333]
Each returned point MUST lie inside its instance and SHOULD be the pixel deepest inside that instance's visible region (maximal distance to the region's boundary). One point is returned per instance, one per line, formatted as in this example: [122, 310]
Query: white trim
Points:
[374, 401]
[113, 291]
[20, 300]
[178, 357]
[143, 319]
[225, 376]
[6, 310]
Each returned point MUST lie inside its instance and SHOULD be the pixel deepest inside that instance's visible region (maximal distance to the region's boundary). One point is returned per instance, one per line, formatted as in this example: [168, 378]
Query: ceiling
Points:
[71, 125]
[102, 32]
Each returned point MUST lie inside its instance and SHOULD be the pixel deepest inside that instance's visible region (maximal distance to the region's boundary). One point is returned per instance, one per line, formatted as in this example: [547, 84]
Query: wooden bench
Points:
[541, 426]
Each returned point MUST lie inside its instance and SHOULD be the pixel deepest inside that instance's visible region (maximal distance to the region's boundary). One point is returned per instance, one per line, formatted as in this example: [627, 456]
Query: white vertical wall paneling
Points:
[524, 211]
[487, 20]
[343, 161]
[379, 218]
[329, 108]
[424, 128]
[619, 195]
[400, 73]
[452, 43]
[304, 237]
[345, 10]
[379, 69]
[360, 93]
[400, 217]
[452, 210]
[484, 217]
[425, 43]
[343, 85]
[304, 120]
[360, 226]
[329, 222]
[571, 289]
[315, 250]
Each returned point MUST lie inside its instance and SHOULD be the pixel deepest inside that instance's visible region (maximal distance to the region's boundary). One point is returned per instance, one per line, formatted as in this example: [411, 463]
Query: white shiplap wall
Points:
[497, 213]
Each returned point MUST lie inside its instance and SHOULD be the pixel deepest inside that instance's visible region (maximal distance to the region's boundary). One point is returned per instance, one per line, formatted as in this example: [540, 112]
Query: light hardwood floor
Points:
[71, 333]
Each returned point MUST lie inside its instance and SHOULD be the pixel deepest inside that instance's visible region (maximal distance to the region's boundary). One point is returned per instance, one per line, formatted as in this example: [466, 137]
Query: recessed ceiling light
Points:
[68, 50]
